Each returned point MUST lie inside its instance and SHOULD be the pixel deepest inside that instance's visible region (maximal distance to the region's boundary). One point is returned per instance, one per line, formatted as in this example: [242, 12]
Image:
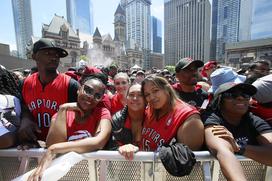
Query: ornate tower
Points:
[120, 24]
[97, 38]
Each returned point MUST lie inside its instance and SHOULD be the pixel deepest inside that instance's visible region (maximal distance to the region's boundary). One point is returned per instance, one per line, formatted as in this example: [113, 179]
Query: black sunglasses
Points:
[90, 92]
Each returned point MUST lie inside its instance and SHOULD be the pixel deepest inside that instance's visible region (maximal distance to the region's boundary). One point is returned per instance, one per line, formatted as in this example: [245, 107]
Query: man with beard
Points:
[187, 88]
[43, 92]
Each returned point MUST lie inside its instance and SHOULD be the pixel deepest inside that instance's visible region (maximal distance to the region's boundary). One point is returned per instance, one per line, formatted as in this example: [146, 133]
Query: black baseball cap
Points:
[178, 159]
[46, 43]
[185, 62]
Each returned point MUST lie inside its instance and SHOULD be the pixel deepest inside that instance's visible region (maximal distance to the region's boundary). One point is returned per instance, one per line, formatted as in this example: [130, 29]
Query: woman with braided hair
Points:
[9, 108]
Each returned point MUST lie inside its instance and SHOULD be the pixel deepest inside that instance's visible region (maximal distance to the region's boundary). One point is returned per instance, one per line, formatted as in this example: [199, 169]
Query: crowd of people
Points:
[203, 106]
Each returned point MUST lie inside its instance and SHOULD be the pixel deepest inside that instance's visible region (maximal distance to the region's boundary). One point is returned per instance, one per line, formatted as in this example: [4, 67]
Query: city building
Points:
[12, 62]
[138, 21]
[120, 24]
[103, 50]
[241, 54]
[22, 24]
[261, 19]
[231, 22]
[80, 15]
[187, 30]
[156, 35]
[65, 37]
[132, 25]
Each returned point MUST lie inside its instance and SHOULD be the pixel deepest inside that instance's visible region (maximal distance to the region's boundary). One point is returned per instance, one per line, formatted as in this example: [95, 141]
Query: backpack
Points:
[10, 111]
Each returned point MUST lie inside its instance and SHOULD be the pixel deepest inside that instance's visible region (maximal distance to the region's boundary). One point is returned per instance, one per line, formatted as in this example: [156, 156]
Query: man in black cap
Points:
[187, 89]
[43, 92]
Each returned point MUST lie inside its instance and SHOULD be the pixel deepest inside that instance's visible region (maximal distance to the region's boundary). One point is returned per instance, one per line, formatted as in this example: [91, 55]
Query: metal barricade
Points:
[111, 166]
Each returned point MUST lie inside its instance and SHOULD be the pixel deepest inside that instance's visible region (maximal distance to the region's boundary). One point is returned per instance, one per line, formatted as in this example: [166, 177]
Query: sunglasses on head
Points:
[121, 83]
[234, 95]
[90, 92]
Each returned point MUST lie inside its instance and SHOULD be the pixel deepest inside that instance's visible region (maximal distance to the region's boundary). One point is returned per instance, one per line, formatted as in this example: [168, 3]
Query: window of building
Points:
[225, 29]
[225, 12]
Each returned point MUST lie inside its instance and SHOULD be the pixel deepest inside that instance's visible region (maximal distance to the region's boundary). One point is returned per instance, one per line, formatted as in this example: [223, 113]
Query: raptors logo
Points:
[78, 135]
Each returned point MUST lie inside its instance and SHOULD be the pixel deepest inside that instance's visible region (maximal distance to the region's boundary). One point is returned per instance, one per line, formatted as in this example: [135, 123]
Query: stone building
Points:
[65, 37]
[243, 53]
[130, 52]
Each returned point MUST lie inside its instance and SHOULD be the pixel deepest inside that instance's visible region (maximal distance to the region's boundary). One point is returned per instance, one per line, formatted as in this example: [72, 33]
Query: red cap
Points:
[207, 66]
[91, 71]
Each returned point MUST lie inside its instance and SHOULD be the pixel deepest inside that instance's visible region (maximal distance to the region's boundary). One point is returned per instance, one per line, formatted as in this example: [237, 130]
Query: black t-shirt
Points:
[248, 130]
[72, 90]
[195, 98]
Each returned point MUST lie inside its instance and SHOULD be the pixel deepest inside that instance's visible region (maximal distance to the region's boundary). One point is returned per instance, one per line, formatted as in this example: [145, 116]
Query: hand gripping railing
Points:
[110, 165]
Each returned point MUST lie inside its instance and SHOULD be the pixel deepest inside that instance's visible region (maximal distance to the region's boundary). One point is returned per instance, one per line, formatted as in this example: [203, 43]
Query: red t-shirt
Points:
[77, 131]
[261, 111]
[156, 133]
[43, 103]
[105, 102]
[116, 104]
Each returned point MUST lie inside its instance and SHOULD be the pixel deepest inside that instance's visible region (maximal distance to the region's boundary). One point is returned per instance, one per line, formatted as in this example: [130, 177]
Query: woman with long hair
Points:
[127, 123]
[121, 84]
[167, 118]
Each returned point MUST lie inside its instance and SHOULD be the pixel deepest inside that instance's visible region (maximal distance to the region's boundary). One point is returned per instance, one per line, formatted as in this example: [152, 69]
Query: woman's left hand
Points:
[43, 165]
[224, 133]
[128, 151]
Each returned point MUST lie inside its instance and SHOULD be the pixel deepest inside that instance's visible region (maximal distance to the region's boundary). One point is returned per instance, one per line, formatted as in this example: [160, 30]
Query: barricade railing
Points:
[110, 165]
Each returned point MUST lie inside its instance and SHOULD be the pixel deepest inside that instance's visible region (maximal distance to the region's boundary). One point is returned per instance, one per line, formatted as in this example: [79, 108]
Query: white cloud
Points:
[158, 11]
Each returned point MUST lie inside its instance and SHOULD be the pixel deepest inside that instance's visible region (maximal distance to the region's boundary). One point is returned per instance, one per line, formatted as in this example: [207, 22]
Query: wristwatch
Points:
[242, 146]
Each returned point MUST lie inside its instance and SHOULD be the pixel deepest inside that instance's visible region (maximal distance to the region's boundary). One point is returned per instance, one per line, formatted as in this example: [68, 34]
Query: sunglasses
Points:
[90, 92]
[234, 95]
[121, 83]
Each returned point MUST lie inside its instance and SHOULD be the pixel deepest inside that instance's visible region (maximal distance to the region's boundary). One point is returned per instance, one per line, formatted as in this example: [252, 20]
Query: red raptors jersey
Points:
[156, 133]
[116, 104]
[43, 103]
[77, 131]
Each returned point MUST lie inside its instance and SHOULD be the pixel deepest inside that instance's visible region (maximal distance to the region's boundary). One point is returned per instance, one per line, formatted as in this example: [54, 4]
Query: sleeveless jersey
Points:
[43, 103]
[76, 131]
[155, 133]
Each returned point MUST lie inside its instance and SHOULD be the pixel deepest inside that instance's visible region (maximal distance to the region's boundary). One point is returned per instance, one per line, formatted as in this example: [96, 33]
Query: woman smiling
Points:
[231, 129]
[80, 127]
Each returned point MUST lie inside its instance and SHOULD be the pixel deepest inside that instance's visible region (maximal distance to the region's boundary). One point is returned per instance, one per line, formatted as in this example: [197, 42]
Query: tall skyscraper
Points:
[231, 21]
[261, 20]
[156, 35]
[23, 24]
[245, 20]
[138, 21]
[80, 15]
[187, 30]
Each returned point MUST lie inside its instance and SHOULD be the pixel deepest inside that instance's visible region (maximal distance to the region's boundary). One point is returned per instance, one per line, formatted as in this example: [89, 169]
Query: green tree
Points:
[170, 68]
[83, 57]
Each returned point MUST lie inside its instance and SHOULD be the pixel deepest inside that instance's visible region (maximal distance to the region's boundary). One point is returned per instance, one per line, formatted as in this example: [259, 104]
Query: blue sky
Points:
[44, 10]
[262, 19]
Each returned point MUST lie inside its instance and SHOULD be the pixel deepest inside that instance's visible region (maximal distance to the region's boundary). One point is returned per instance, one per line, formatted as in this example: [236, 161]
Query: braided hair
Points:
[8, 83]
